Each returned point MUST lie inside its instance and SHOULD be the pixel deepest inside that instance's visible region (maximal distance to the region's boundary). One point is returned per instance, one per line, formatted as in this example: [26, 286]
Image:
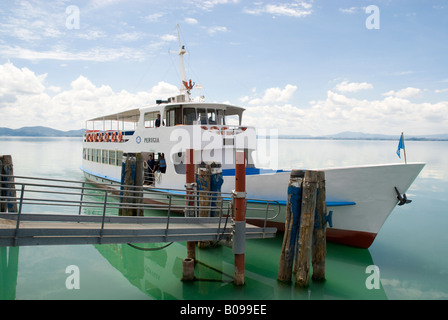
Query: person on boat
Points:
[162, 163]
[151, 169]
[158, 121]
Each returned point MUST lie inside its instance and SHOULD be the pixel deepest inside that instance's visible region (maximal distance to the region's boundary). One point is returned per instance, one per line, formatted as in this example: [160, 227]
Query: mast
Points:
[185, 86]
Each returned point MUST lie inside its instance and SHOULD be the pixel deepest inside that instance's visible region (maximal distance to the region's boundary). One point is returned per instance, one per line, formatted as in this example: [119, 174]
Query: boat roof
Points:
[134, 114]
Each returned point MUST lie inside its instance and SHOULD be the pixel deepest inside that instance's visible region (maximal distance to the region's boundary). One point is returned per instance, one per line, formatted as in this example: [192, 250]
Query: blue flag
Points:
[400, 146]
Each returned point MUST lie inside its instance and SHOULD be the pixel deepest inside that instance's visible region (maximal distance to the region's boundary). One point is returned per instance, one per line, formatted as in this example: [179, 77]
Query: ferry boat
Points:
[360, 198]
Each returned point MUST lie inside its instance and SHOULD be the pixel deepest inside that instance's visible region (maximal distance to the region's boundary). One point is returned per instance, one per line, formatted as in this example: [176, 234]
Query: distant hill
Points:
[349, 135]
[40, 132]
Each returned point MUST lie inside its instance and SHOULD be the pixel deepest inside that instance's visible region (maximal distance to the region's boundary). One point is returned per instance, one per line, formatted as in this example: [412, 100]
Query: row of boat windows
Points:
[111, 157]
[190, 116]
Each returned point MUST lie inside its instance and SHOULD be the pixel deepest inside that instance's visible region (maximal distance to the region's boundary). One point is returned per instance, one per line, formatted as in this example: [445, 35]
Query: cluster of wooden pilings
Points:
[7, 190]
[305, 226]
[132, 178]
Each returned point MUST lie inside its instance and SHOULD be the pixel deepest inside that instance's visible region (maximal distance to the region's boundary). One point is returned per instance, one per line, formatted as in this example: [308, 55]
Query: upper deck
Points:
[225, 118]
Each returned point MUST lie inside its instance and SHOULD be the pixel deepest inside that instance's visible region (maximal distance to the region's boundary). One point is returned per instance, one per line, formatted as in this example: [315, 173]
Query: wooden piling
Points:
[292, 225]
[309, 196]
[187, 269]
[203, 183]
[132, 185]
[239, 241]
[320, 228]
[8, 188]
[305, 228]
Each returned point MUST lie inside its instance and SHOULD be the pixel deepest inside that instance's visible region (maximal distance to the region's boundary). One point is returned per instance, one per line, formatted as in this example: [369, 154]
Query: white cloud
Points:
[23, 81]
[291, 9]
[154, 17]
[130, 36]
[24, 100]
[404, 93]
[337, 113]
[210, 4]
[346, 86]
[168, 37]
[351, 10]
[273, 95]
[213, 30]
[191, 21]
[98, 54]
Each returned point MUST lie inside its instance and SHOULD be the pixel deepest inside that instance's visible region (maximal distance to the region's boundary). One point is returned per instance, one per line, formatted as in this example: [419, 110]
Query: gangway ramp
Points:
[67, 224]
[54, 229]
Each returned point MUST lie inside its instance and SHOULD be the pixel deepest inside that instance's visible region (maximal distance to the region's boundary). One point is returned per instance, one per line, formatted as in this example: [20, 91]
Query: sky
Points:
[305, 67]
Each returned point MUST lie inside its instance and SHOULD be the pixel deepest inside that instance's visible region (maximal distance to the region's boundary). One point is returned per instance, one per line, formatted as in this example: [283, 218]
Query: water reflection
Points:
[9, 266]
[158, 273]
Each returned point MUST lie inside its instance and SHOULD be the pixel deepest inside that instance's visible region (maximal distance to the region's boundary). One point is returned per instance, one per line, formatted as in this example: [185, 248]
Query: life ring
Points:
[120, 136]
[89, 137]
[106, 137]
[114, 137]
[100, 137]
[223, 131]
[214, 128]
[204, 128]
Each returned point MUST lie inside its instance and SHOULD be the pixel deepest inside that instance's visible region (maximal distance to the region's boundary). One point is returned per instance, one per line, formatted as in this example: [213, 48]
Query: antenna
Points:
[183, 77]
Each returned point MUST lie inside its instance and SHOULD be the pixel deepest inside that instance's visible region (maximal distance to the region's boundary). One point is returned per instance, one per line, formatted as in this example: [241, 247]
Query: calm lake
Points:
[410, 251]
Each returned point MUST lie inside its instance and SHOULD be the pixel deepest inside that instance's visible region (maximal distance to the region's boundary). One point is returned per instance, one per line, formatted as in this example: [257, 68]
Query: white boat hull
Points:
[360, 198]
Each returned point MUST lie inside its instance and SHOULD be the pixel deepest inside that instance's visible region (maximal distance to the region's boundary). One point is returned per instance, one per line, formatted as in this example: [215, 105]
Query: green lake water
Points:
[410, 250]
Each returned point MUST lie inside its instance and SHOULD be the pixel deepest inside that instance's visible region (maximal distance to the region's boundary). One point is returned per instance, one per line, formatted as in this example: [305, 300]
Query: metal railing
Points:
[38, 196]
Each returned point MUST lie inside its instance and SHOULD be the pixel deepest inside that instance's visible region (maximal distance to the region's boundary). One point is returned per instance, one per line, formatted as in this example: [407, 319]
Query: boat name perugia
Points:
[151, 140]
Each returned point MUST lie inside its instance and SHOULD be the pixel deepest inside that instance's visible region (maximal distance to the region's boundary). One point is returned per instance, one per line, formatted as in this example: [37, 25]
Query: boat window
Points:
[189, 116]
[104, 156]
[220, 114]
[232, 120]
[119, 158]
[202, 116]
[150, 119]
[173, 116]
[211, 116]
[112, 157]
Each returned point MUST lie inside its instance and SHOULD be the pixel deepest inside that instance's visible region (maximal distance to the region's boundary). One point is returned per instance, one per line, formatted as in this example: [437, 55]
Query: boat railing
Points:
[225, 130]
[116, 136]
[33, 195]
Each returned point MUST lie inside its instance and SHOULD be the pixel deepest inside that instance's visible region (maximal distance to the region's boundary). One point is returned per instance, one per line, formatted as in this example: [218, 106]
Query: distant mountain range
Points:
[347, 135]
[40, 132]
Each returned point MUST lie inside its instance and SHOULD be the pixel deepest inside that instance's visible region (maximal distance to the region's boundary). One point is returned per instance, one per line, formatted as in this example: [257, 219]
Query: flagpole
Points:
[404, 148]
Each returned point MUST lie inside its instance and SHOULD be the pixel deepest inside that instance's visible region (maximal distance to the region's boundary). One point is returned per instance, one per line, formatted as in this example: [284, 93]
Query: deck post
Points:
[292, 225]
[8, 188]
[309, 195]
[191, 245]
[239, 236]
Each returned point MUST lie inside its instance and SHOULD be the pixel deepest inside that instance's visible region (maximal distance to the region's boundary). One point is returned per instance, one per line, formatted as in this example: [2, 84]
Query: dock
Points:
[58, 229]
[89, 215]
